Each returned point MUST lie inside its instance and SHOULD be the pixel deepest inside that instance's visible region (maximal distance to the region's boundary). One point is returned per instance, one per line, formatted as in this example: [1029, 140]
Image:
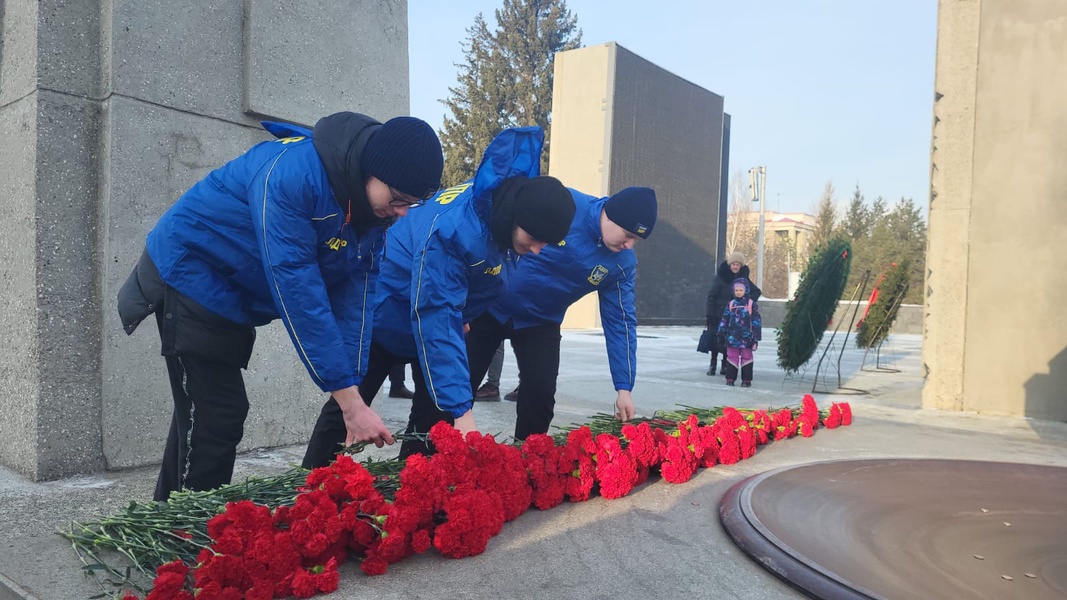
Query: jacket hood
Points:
[513, 152]
[339, 140]
[742, 281]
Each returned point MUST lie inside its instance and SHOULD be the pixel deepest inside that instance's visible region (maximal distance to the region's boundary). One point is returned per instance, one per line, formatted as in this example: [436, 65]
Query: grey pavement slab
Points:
[661, 539]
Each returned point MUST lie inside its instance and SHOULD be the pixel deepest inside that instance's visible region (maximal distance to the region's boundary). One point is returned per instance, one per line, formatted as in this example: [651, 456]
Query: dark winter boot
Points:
[746, 383]
[730, 382]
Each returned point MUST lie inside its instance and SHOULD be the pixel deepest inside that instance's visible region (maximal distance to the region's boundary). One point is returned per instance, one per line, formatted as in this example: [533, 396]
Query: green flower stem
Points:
[146, 533]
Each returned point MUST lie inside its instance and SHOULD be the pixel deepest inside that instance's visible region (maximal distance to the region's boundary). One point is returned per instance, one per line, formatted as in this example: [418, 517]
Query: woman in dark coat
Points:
[719, 296]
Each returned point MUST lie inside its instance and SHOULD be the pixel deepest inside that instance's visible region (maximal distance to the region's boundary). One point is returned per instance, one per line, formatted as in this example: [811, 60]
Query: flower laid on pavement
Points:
[286, 536]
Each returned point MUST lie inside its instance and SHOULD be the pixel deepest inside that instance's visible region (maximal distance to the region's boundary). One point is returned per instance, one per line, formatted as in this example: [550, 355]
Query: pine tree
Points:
[506, 79]
[856, 224]
[907, 232]
[825, 218]
[876, 213]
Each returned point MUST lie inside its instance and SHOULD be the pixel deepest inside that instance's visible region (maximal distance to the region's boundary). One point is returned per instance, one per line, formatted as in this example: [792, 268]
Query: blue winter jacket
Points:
[441, 268]
[262, 237]
[542, 287]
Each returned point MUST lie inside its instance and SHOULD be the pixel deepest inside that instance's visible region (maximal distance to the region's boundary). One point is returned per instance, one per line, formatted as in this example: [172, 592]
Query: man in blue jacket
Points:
[444, 265]
[292, 229]
[597, 256]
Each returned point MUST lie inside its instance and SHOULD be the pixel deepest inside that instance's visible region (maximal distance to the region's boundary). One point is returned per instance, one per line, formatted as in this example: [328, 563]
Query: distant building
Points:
[796, 226]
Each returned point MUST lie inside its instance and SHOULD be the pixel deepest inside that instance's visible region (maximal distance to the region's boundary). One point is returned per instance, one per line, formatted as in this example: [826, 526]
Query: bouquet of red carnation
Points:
[616, 470]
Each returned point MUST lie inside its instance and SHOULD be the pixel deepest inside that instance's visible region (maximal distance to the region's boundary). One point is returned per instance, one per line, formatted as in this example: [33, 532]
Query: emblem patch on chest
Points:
[598, 274]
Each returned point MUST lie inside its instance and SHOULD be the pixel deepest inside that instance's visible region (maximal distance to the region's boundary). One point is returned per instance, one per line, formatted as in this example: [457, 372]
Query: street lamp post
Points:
[757, 185]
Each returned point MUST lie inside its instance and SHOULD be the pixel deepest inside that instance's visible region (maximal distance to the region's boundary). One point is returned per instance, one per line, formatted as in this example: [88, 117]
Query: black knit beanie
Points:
[405, 154]
[634, 209]
[542, 206]
[545, 209]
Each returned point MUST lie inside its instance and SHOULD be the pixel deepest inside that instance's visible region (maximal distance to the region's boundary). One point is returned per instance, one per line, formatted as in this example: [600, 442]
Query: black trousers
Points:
[210, 406]
[396, 376]
[537, 353]
[328, 435]
[424, 415]
[730, 372]
[205, 354]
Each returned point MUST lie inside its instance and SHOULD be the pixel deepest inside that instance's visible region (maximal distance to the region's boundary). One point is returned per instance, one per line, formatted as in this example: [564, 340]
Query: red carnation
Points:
[260, 590]
[393, 544]
[708, 444]
[698, 441]
[679, 463]
[473, 517]
[447, 439]
[421, 542]
[846, 413]
[579, 486]
[581, 440]
[499, 469]
[663, 440]
[320, 579]
[833, 420]
[281, 515]
[729, 445]
[577, 460]
[809, 412]
[746, 438]
[373, 565]
[423, 485]
[616, 470]
[363, 532]
[761, 423]
[733, 418]
[642, 444]
[215, 591]
[170, 582]
[783, 424]
[541, 458]
[343, 480]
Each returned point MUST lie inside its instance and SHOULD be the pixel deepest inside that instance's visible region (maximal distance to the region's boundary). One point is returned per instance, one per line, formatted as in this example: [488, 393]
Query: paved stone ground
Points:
[660, 540]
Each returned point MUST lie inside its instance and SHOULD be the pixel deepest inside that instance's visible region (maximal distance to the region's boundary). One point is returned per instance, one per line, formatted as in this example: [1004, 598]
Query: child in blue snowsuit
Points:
[741, 329]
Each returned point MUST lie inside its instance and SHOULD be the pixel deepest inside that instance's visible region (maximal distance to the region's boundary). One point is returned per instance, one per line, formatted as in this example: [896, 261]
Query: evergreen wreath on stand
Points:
[812, 307]
[883, 306]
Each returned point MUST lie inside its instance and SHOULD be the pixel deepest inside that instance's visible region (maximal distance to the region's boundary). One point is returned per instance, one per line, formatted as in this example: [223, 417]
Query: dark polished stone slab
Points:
[907, 528]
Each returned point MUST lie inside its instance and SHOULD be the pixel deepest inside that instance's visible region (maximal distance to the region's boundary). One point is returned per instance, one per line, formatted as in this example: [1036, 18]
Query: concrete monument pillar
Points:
[995, 325]
[109, 111]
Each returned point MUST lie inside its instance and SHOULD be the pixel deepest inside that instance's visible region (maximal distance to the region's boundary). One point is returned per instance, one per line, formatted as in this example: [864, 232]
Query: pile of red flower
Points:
[455, 500]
